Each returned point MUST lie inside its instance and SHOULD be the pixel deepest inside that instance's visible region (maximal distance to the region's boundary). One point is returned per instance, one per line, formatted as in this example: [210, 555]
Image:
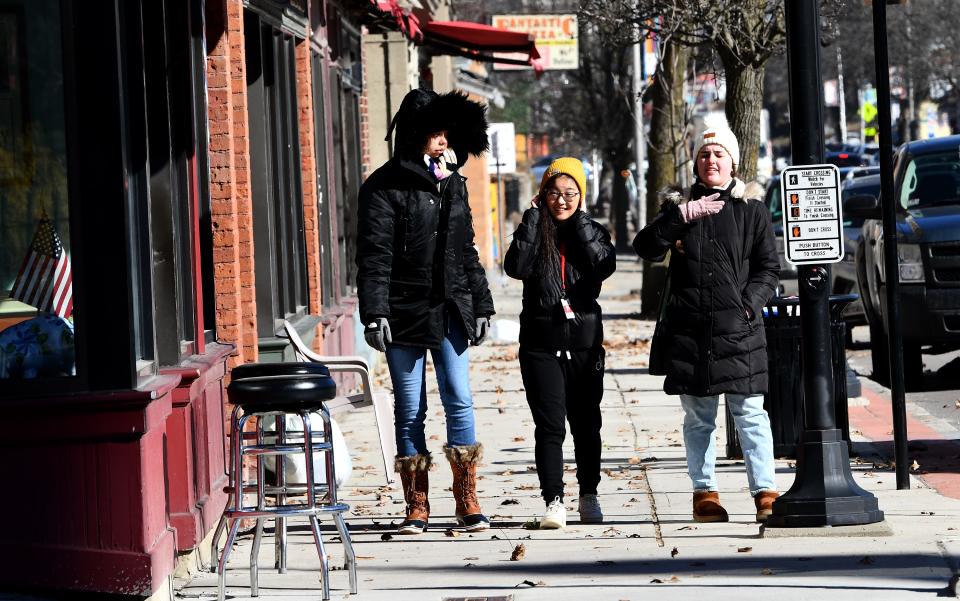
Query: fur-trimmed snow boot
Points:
[463, 461]
[416, 486]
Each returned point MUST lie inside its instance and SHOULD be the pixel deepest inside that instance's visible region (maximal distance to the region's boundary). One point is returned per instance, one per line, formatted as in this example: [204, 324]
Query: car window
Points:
[858, 188]
[773, 202]
[931, 179]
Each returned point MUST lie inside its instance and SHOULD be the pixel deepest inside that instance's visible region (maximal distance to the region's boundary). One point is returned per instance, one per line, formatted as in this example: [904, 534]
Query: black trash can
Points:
[784, 398]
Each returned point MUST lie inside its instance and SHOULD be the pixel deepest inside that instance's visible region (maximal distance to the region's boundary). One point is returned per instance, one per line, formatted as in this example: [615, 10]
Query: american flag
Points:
[45, 281]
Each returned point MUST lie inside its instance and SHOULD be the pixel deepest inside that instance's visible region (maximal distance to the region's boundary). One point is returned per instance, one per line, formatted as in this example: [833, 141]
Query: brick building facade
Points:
[200, 161]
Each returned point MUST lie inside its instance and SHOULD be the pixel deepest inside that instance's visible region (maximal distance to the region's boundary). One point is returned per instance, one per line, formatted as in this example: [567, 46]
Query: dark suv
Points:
[927, 194]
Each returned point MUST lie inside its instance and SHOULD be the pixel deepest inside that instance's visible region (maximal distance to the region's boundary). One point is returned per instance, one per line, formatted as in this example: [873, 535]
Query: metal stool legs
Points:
[236, 510]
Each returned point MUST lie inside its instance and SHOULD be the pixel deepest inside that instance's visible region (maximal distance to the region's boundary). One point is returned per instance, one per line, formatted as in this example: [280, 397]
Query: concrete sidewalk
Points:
[649, 546]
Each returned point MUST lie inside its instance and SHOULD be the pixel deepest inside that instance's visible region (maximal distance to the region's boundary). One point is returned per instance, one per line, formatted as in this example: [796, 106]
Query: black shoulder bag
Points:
[658, 344]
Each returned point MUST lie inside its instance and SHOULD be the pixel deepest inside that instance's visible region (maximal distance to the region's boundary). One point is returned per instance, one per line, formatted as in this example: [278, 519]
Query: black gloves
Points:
[377, 334]
[483, 326]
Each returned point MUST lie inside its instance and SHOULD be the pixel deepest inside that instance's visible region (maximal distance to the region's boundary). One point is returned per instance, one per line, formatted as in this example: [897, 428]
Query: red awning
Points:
[479, 42]
[406, 21]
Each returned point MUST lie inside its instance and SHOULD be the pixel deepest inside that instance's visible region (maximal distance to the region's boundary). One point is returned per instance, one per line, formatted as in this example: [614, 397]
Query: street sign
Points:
[503, 149]
[812, 219]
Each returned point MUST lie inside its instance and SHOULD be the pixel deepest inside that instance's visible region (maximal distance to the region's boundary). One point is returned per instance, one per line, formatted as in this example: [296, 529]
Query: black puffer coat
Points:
[590, 259]
[728, 264]
[416, 256]
[416, 253]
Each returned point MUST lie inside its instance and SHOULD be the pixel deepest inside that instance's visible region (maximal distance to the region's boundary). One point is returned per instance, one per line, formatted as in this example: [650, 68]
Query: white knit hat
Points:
[720, 133]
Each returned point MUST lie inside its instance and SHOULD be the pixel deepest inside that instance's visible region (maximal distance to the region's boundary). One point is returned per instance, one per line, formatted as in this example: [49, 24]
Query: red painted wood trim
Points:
[196, 469]
[100, 570]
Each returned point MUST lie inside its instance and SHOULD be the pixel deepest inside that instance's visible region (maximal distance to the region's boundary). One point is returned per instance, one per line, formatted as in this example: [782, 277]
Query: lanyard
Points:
[563, 268]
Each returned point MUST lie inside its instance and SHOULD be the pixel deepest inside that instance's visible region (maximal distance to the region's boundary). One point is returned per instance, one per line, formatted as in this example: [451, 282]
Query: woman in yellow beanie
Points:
[562, 256]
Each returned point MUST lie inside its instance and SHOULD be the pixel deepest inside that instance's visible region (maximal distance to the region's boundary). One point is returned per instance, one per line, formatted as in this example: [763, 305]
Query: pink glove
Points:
[700, 208]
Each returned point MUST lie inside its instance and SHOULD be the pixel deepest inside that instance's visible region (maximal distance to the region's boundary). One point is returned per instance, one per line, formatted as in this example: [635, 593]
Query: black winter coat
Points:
[416, 257]
[590, 259]
[728, 264]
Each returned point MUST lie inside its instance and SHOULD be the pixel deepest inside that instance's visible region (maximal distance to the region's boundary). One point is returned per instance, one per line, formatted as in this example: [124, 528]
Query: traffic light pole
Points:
[824, 492]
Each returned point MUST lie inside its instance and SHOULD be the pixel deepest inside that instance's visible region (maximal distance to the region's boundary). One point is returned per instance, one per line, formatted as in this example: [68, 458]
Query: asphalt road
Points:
[939, 395]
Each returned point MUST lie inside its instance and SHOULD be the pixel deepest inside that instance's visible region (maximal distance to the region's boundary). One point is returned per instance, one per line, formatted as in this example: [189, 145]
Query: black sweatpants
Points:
[559, 389]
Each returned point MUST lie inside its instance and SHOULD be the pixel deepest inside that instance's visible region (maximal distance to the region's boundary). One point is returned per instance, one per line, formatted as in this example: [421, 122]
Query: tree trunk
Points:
[744, 100]
[666, 129]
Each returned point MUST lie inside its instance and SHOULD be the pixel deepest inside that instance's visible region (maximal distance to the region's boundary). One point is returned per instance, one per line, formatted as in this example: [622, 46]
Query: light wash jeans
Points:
[408, 371]
[756, 439]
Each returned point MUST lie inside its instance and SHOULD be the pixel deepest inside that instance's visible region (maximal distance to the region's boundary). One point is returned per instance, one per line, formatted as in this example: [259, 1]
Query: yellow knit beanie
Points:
[567, 166]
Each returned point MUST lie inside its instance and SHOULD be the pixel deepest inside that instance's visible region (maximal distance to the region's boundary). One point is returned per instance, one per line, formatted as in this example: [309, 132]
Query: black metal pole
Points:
[824, 492]
[890, 255]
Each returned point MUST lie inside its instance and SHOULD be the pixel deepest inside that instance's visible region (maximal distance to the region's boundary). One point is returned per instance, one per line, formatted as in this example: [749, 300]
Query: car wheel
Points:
[912, 367]
[879, 354]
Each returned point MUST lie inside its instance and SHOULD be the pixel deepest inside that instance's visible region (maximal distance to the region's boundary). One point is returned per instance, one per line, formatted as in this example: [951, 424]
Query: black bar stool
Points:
[276, 390]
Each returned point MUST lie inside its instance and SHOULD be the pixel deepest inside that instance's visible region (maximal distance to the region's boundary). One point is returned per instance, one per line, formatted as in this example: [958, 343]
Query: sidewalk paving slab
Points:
[648, 548]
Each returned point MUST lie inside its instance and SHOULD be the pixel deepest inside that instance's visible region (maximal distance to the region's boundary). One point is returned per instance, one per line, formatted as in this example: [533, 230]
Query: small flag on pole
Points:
[45, 281]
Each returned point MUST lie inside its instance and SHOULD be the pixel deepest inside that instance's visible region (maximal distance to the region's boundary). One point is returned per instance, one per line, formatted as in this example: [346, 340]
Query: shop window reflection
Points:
[36, 309]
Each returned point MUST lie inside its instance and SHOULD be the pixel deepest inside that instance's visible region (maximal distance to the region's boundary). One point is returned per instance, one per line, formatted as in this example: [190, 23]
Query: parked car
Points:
[788, 271]
[844, 273]
[856, 172]
[844, 159]
[927, 200]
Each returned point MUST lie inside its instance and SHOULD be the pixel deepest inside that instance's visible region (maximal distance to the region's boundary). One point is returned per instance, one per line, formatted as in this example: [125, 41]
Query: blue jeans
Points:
[408, 371]
[756, 439]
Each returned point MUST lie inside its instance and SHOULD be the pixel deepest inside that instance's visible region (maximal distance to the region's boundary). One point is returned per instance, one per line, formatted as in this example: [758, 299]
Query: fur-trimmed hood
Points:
[423, 112]
[742, 192]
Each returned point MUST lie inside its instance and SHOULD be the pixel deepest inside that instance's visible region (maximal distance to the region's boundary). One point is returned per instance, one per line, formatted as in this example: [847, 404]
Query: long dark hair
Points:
[548, 257]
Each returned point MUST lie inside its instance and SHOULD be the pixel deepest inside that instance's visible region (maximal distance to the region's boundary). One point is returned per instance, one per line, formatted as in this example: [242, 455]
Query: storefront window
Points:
[276, 185]
[36, 283]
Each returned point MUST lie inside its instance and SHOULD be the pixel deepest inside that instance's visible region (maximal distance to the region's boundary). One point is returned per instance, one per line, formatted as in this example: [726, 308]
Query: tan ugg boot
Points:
[707, 507]
[463, 461]
[416, 486]
[764, 503]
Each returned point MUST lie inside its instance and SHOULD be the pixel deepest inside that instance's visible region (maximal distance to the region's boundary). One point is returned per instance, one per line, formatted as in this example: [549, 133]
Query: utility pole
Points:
[639, 141]
[824, 492]
[841, 100]
[890, 255]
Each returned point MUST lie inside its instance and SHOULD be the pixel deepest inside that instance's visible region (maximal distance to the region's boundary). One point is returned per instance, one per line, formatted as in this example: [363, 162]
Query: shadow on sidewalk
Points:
[881, 568]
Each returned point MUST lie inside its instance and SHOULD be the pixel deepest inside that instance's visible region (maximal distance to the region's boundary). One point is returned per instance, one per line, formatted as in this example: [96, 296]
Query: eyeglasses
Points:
[556, 194]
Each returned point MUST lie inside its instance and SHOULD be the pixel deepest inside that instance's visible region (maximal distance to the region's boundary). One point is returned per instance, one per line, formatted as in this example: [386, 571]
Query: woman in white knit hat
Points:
[723, 270]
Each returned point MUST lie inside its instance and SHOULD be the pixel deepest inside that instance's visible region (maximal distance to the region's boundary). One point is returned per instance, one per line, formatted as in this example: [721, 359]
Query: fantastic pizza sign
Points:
[555, 36]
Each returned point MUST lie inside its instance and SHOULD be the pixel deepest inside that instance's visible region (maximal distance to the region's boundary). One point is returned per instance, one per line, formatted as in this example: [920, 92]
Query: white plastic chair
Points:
[382, 403]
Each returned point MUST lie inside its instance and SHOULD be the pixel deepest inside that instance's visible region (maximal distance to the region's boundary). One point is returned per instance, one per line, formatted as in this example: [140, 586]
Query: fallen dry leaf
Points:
[867, 560]
[510, 502]
[914, 466]
[674, 552]
[518, 439]
[766, 572]
[386, 537]
[633, 461]
[656, 581]
[531, 583]
[744, 549]
[452, 533]
[518, 552]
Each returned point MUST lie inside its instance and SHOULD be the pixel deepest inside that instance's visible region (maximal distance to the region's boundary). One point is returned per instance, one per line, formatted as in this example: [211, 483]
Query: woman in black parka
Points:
[723, 270]
[422, 288]
[562, 256]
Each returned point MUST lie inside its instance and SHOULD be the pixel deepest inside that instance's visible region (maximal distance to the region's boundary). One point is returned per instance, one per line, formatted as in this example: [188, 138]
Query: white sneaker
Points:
[555, 516]
[589, 508]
